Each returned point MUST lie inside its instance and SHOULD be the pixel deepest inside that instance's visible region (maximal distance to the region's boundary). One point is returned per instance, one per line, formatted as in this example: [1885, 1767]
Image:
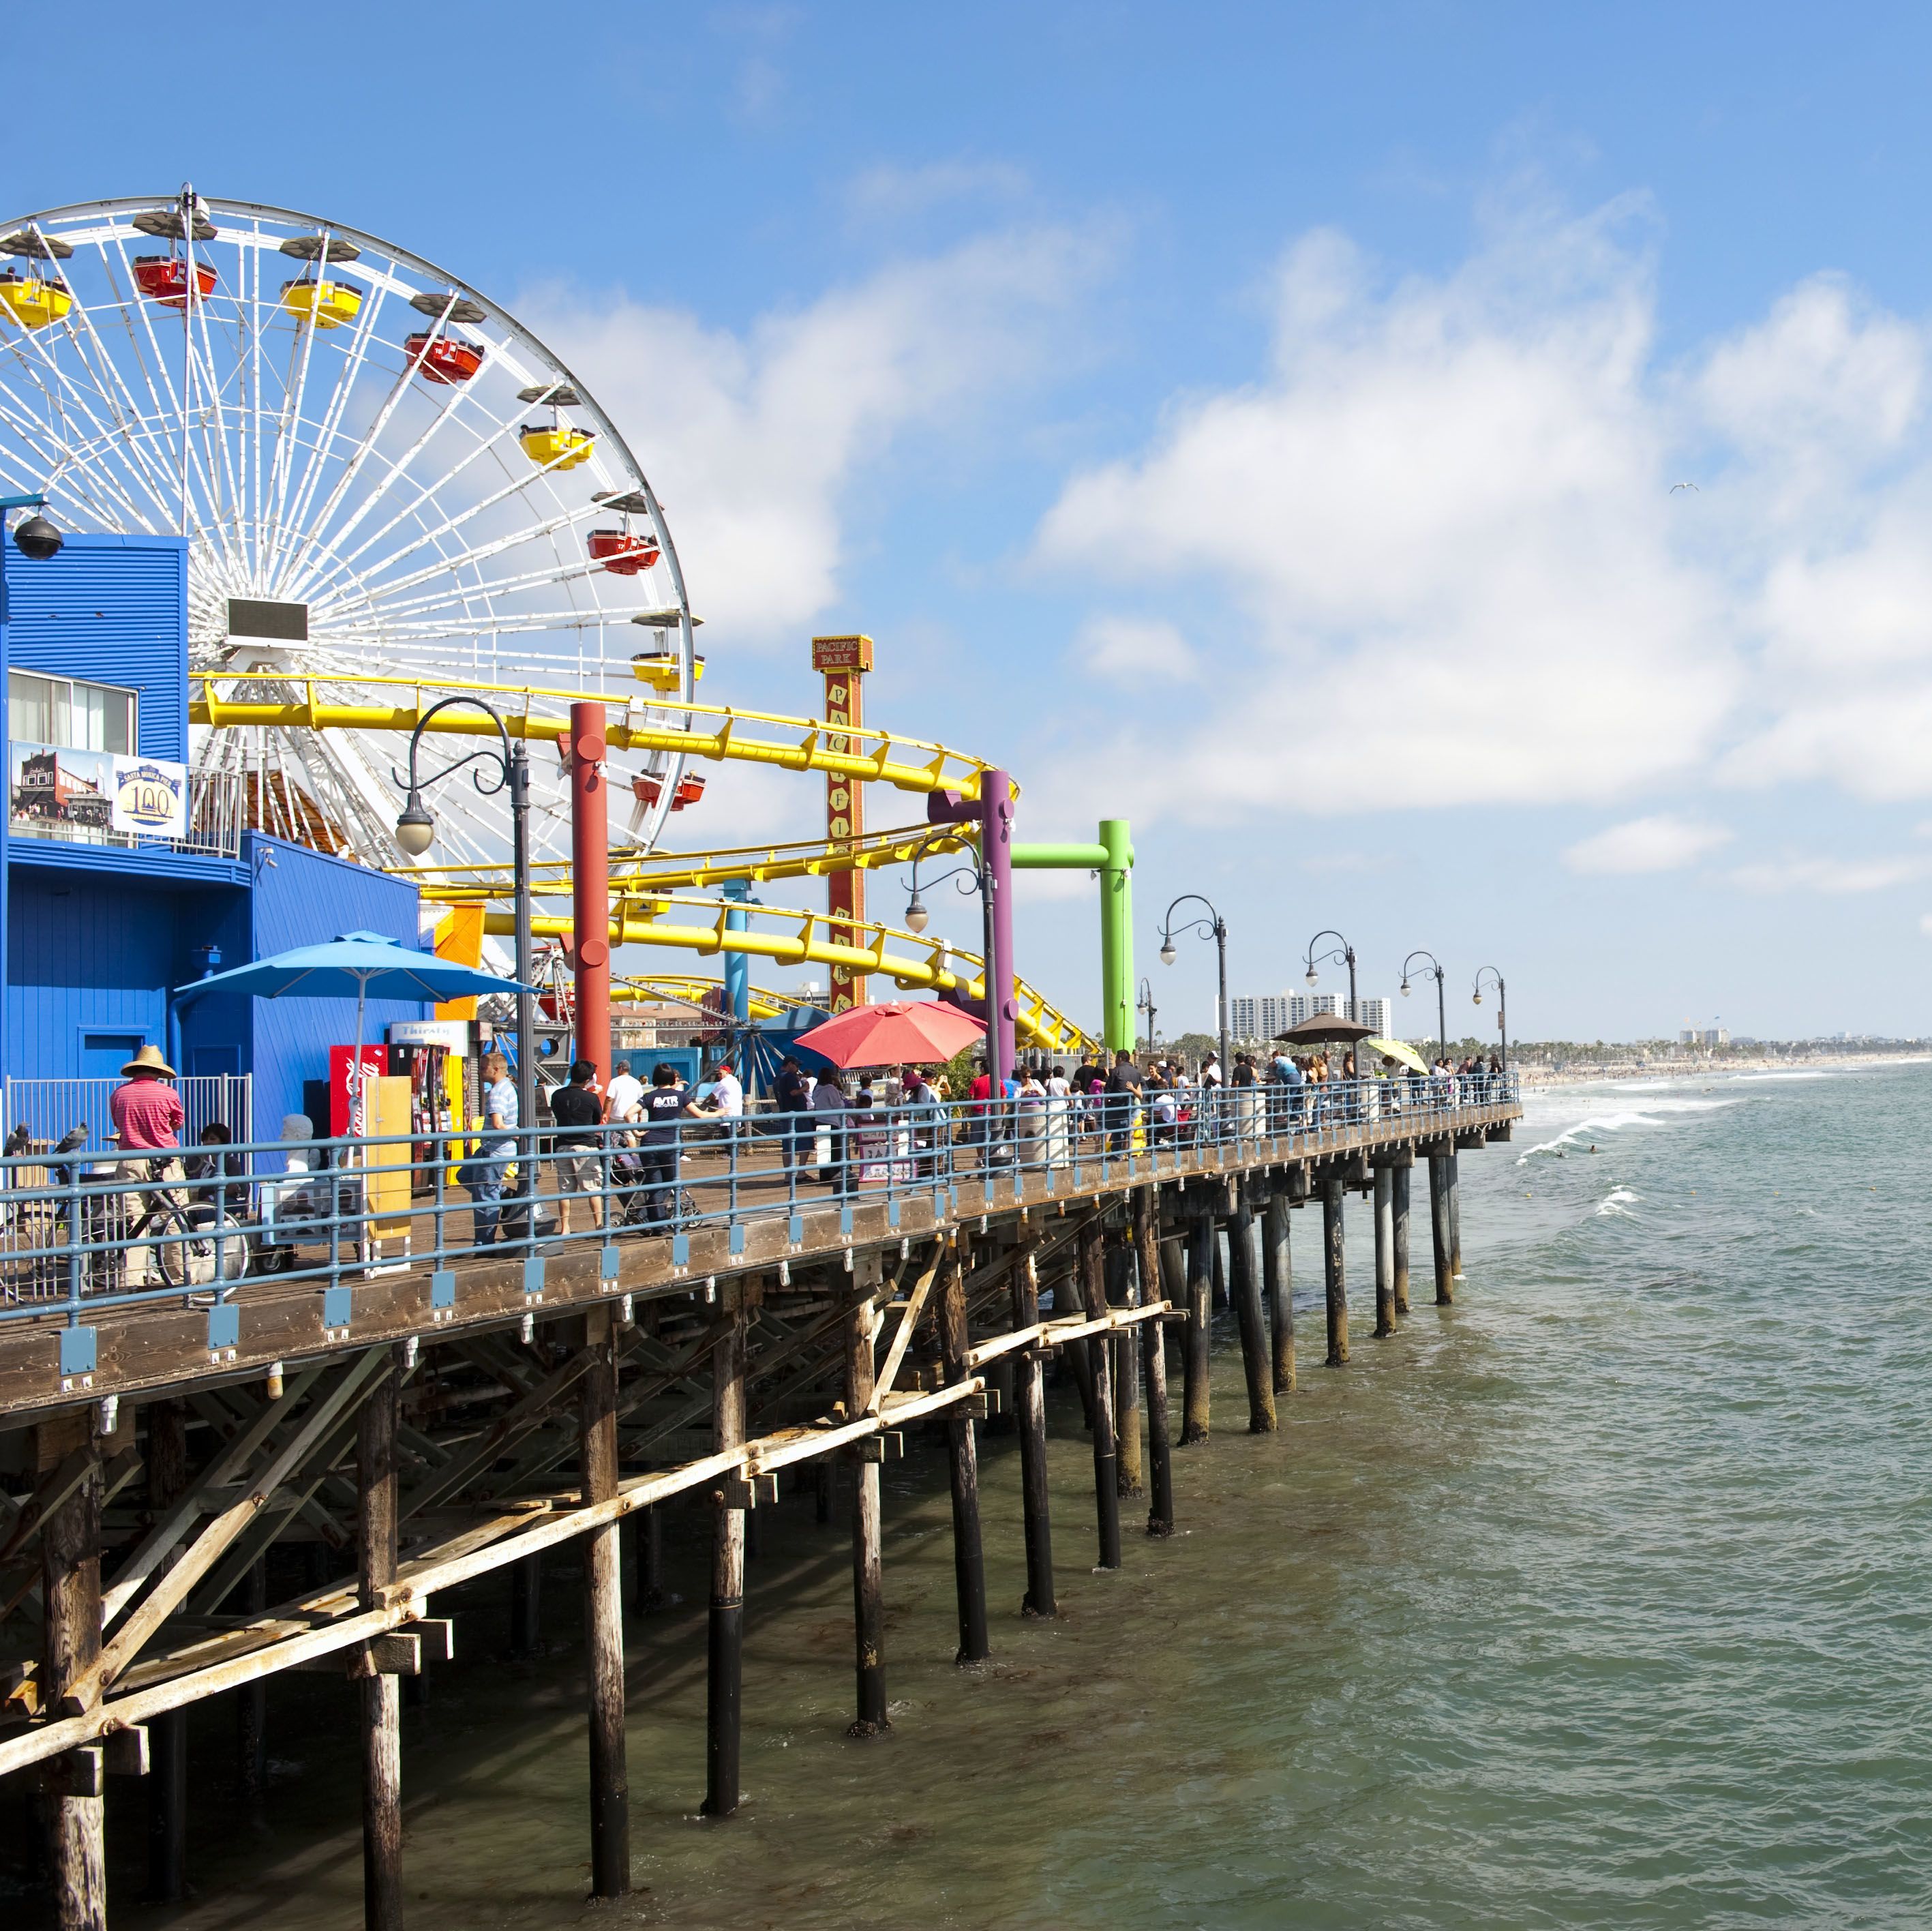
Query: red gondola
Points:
[164, 278]
[623, 554]
[446, 359]
[647, 789]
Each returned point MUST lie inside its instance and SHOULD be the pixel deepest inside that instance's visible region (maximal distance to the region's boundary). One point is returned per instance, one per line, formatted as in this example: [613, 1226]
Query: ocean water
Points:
[1604, 1598]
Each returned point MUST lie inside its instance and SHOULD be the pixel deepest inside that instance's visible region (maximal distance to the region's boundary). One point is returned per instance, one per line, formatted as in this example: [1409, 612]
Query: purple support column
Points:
[996, 845]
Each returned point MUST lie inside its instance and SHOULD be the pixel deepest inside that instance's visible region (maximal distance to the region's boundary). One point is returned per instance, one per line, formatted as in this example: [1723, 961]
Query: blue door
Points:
[103, 1054]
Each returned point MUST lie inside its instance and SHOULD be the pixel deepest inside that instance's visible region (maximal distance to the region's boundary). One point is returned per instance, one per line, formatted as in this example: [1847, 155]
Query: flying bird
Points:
[1675, 487]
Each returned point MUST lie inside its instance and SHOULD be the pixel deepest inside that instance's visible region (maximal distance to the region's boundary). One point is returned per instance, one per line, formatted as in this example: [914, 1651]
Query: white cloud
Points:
[1448, 494]
[1135, 647]
[888, 193]
[1830, 875]
[754, 441]
[1663, 843]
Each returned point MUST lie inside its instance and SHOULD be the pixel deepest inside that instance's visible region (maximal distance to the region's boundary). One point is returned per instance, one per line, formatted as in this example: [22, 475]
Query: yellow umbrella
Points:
[1395, 1049]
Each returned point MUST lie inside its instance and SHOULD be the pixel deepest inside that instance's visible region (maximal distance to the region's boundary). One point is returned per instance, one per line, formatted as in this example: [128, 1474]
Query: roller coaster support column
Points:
[993, 809]
[1113, 857]
[590, 885]
[737, 965]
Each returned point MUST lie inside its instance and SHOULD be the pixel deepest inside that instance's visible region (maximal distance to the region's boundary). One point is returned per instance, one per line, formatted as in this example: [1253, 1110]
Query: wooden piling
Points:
[969, 1562]
[603, 1617]
[1439, 1229]
[70, 1634]
[1125, 1290]
[1399, 1195]
[1455, 1192]
[725, 1658]
[1338, 1291]
[868, 1605]
[1278, 1277]
[251, 1703]
[1194, 1405]
[648, 1534]
[1106, 1487]
[1246, 1284]
[1030, 1405]
[1153, 1352]
[167, 1734]
[526, 1608]
[1385, 1254]
[379, 1693]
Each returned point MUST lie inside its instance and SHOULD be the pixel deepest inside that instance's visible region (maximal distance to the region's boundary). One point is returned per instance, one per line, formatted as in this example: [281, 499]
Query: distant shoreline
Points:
[1576, 1075]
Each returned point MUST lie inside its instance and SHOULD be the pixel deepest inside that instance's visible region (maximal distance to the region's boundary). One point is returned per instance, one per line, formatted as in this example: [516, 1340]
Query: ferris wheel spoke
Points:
[294, 388]
[348, 372]
[60, 461]
[430, 493]
[379, 594]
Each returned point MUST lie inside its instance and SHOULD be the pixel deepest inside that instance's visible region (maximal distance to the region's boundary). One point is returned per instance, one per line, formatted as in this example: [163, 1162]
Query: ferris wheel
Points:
[378, 471]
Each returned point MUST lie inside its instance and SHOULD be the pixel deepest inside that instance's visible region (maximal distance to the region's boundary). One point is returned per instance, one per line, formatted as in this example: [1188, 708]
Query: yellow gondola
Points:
[556, 446]
[327, 304]
[32, 302]
[662, 673]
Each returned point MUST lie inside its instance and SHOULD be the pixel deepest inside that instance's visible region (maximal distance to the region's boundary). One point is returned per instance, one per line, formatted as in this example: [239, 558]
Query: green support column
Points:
[1113, 857]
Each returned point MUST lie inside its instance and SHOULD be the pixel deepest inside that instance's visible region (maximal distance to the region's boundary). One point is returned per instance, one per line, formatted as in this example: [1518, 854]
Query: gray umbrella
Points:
[1324, 1029]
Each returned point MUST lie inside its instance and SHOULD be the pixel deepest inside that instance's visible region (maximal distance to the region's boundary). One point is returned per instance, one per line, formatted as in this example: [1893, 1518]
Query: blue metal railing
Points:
[87, 1232]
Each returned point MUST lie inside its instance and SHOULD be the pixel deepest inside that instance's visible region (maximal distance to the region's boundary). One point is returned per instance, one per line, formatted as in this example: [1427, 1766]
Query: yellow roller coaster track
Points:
[678, 989]
[633, 871]
[718, 732]
[812, 940]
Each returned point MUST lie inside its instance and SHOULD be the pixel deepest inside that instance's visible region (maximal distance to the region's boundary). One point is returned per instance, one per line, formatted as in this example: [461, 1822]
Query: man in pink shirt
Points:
[148, 1117]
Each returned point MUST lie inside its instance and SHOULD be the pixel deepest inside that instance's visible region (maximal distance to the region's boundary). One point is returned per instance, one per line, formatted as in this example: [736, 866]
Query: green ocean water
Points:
[1600, 1600]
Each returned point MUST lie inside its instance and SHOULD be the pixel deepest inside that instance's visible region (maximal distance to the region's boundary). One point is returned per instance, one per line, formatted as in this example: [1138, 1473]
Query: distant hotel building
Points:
[1703, 1036]
[1260, 1018]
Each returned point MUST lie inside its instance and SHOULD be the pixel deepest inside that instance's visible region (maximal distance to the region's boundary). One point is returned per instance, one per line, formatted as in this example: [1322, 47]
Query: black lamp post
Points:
[1502, 1009]
[1146, 1004]
[916, 918]
[1343, 951]
[1213, 926]
[1441, 1005]
[415, 830]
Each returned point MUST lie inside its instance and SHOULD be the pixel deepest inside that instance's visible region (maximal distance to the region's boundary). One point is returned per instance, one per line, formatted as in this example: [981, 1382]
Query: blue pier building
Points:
[104, 913]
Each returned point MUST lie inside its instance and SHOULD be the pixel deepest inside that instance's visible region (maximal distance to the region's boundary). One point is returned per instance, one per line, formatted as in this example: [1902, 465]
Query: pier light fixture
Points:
[508, 769]
[969, 877]
[1502, 1011]
[1433, 967]
[1213, 926]
[1343, 952]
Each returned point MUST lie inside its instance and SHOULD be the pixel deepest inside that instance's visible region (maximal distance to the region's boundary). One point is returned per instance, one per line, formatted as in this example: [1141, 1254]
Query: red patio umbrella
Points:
[895, 1032]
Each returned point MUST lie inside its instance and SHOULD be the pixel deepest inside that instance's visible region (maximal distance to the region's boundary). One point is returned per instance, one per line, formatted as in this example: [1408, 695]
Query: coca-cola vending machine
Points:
[342, 1115]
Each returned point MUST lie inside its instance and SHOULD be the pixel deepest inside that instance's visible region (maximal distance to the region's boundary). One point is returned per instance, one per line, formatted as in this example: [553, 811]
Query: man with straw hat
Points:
[148, 1117]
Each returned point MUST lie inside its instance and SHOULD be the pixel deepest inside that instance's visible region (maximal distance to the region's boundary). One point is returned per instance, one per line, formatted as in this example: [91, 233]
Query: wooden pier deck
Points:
[551, 1400]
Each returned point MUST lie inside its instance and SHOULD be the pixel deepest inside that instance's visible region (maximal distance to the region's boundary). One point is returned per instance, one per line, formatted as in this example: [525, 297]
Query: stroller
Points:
[638, 1201]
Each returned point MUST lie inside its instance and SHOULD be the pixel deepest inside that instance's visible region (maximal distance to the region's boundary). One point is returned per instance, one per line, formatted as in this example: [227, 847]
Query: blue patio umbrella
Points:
[353, 966]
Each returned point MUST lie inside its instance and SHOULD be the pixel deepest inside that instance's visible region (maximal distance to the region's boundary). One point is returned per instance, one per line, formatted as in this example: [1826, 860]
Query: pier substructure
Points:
[604, 1618]
[167, 1734]
[969, 1561]
[1399, 1172]
[68, 1456]
[1202, 1241]
[868, 1605]
[1439, 1229]
[725, 1660]
[1123, 1267]
[379, 1691]
[1106, 1486]
[1029, 1398]
[1454, 1179]
[1278, 1277]
[1384, 1205]
[1333, 1277]
[1246, 1280]
[1154, 1345]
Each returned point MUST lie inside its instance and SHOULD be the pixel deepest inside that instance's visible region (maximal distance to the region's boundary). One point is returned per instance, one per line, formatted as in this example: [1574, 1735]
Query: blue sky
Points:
[1257, 422]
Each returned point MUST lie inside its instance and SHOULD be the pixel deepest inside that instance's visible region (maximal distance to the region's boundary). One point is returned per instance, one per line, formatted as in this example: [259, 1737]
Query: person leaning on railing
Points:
[666, 1107]
[485, 1172]
[578, 1110]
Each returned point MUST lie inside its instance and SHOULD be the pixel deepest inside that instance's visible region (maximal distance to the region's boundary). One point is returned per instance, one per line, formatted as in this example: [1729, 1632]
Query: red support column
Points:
[590, 885]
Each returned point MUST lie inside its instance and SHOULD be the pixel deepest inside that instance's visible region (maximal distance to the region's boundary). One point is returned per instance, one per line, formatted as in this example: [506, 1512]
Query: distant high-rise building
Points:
[1704, 1036]
[1259, 1017]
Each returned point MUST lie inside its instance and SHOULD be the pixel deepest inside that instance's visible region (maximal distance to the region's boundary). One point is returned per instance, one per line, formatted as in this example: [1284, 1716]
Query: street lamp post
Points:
[1213, 926]
[1147, 1005]
[1346, 953]
[917, 918]
[1502, 1010]
[415, 830]
[1441, 1005]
